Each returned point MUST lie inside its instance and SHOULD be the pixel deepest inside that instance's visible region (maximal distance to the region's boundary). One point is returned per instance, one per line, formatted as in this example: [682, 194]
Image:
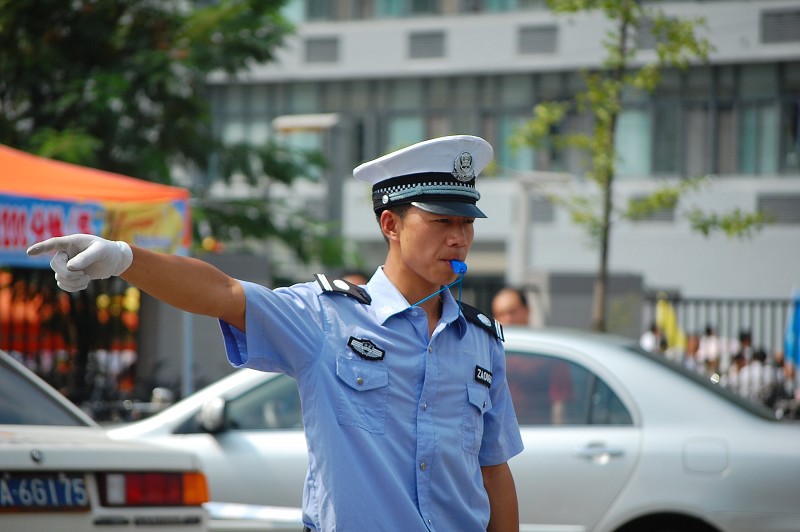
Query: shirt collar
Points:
[388, 301]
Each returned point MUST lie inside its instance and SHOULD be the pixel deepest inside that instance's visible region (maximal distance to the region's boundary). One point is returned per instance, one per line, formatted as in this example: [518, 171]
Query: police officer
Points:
[406, 409]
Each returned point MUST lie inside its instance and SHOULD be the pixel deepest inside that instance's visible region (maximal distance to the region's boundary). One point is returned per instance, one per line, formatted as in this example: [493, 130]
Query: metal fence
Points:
[764, 319]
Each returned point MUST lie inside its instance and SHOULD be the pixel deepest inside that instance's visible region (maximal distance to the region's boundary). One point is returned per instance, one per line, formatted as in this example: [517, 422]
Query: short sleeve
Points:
[501, 436]
[283, 329]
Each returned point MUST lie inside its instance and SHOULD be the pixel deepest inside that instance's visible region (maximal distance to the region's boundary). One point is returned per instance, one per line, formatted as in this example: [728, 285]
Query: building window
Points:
[517, 159]
[304, 98]
[541, 209]
[633, 143]
[778, 26]
[517, 91]
[758, 138]
[645, 37]
[426, 45]
[319, 9]
[727, 142]
[322, 50]
[424, 7]
[438, 125]
[538, 40]
[790, 136]
[666, 140]
[476, 6]
[406, 94]
[697, 148]
[789, 156]
[465, 93]
[783, 209]
[390, 8]
[403, 8]
[664, 214]
[404, 131]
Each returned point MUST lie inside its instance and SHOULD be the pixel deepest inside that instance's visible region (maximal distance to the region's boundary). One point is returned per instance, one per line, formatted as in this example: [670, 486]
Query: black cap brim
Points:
[450, 208]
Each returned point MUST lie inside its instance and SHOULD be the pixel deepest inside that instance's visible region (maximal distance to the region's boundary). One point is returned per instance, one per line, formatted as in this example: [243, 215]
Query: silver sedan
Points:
[615, 441]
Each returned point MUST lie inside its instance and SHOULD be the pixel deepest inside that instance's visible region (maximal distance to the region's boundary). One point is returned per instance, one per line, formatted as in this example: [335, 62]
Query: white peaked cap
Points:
[436, 175]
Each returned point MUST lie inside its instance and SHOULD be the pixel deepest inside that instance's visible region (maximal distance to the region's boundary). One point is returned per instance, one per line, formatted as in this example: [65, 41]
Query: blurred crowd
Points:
[737, 364]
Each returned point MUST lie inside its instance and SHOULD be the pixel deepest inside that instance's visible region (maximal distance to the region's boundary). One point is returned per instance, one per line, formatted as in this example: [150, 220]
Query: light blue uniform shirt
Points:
[397, 423]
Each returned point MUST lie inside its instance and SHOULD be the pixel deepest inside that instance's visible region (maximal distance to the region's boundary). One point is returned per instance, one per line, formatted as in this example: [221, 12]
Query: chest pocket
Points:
[478, 403]
[363, 394]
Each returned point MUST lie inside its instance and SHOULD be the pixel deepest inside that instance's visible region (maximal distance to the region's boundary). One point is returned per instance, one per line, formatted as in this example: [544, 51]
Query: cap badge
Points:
[462, 167]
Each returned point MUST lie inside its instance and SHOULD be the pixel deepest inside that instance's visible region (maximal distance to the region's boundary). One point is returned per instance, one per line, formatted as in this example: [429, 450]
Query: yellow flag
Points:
[667, 321]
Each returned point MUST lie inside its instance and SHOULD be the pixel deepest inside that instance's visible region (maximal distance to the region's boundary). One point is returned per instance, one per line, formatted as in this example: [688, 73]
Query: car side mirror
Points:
[212, 415]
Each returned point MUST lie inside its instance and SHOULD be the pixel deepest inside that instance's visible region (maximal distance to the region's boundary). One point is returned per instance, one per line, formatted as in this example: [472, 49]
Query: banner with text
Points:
[159, 226]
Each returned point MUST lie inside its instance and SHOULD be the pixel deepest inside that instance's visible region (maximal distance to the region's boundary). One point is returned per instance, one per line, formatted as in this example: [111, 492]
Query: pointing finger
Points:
[57, 243]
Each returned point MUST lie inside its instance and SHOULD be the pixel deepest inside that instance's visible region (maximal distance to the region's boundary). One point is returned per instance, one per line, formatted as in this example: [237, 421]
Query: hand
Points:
[81, 258]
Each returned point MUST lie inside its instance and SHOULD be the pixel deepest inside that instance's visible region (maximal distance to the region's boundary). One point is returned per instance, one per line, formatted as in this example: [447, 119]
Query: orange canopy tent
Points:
[40, 198]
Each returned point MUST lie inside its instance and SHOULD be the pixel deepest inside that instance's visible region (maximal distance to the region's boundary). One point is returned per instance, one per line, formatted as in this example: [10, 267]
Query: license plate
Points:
[61, 491]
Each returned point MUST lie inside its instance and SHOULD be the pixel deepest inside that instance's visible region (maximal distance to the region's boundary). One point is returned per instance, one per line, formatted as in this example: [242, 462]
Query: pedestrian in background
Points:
[510, 306]
[651, 339]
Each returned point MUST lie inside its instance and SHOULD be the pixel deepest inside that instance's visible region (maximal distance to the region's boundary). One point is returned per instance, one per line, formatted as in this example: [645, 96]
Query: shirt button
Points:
[423, 466]
[430, 349]
[360, 380]
[425, 405]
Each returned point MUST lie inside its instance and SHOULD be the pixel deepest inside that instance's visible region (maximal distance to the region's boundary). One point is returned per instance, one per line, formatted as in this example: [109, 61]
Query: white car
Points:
[59, 470]
[616, 440]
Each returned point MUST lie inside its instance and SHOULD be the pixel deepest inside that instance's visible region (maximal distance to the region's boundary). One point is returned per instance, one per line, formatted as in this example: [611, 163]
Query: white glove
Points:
[82, 258]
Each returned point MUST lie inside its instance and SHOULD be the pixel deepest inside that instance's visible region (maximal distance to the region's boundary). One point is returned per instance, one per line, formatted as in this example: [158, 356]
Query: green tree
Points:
[624, 70]
[121, 85]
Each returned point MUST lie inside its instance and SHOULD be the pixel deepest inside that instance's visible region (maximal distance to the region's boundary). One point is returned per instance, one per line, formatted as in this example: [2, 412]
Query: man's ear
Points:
[389, 224]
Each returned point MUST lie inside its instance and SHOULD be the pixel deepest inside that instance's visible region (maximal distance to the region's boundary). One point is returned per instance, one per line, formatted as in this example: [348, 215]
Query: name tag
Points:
[483, 376]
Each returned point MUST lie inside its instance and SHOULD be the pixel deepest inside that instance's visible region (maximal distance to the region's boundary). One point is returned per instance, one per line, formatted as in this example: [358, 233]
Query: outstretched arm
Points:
[183, 282]
[188, 284]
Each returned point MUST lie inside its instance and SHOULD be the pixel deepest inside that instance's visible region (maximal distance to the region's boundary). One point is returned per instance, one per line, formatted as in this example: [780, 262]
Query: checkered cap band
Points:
[425, 187]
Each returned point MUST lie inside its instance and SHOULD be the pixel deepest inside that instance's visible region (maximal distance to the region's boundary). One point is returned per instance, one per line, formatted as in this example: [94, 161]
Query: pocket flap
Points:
[479, 397]
[361, 376]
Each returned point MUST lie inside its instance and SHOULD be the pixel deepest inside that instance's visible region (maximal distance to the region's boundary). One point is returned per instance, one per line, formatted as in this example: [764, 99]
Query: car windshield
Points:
[709, 383]
[550, 390]
[22, 402]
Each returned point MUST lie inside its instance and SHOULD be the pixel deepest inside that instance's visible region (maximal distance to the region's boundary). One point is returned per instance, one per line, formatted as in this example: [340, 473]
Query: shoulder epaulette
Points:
[333, 285]
[479, 318]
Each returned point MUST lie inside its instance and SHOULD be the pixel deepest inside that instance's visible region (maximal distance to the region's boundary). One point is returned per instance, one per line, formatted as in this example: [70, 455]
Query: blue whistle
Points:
[458, 266]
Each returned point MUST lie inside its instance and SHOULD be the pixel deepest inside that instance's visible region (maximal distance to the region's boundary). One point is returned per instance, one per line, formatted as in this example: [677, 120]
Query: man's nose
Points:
[458, 234]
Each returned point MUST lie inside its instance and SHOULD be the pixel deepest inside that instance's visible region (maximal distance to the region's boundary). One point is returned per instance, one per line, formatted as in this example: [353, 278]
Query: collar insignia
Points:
[365, 349]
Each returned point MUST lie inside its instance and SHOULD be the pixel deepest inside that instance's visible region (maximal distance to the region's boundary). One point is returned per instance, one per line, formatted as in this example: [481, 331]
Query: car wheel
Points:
[667, 523]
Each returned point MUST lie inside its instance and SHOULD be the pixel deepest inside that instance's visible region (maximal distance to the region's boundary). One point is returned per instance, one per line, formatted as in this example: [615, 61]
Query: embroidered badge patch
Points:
[366, 349]
[483, 376]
